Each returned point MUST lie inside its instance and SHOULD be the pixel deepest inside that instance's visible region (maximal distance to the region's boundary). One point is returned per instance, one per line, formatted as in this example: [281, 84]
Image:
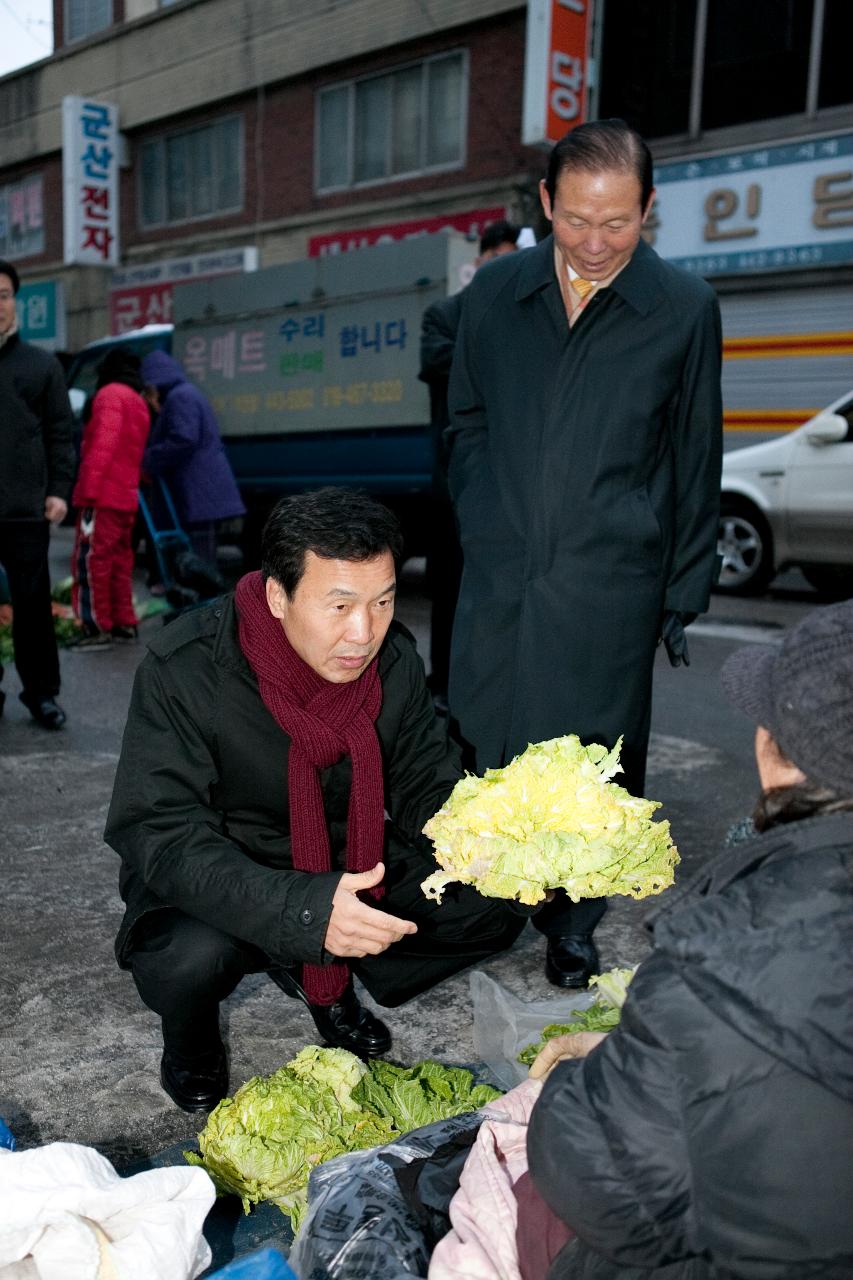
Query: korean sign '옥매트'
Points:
[90, 166]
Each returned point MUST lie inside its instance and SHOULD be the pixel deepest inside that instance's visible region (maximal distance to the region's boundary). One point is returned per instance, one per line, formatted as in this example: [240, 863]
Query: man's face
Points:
[7, 304]
[596, 219]
[339, 613]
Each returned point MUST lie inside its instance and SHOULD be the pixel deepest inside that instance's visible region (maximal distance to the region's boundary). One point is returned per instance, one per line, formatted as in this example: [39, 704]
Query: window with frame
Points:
[86, 18]
[403, 122]
[753, 60]
[194, 174]
[22, 218]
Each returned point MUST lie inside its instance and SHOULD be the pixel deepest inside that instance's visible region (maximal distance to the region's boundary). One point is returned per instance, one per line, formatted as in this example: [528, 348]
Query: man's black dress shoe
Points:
[345, 1025]
[195, 1084]
[570, 961]
[46, 711]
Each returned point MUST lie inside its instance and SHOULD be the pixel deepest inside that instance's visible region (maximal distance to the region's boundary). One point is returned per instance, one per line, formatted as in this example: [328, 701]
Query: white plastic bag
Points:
[504, 1025]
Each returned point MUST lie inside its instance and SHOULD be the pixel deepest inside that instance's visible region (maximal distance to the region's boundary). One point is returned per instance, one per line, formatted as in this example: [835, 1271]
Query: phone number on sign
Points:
[301, 398]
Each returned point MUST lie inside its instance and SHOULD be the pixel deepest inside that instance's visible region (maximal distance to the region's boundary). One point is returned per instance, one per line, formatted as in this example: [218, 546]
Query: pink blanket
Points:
[502, 1228]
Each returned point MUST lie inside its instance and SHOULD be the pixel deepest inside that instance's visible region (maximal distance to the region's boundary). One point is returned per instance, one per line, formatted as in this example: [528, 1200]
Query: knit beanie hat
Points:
[802, 693]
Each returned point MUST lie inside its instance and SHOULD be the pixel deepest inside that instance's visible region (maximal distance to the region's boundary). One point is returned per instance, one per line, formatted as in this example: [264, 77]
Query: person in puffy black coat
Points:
[710, 1136]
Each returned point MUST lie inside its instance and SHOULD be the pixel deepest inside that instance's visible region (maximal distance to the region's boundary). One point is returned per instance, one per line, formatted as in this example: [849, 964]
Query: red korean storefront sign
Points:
[473, 223]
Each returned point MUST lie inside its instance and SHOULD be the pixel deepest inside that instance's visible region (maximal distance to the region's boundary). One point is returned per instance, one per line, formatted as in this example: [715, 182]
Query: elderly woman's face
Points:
[774, 768]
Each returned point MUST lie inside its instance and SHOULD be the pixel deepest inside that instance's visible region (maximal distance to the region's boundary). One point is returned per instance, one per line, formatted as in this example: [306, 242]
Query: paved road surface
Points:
[80, 1052]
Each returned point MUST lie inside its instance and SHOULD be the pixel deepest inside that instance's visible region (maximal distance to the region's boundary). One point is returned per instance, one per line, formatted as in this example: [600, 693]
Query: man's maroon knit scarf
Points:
[324, 722]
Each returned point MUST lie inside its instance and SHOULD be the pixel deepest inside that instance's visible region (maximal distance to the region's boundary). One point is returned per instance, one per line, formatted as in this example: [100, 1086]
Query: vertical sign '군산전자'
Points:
[90, 170]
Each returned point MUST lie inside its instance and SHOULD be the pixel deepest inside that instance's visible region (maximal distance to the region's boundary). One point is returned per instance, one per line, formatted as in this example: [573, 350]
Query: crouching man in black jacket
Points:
[280, 759]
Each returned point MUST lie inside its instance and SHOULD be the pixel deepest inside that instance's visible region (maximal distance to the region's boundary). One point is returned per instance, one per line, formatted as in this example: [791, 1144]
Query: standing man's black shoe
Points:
[570, 961]
[46, 711]
[195, 1084]
[345, 1025]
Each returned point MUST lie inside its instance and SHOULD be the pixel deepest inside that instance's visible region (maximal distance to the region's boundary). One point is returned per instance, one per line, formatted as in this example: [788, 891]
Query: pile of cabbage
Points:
[263, 1143]
[602, 1015]
[551, 819]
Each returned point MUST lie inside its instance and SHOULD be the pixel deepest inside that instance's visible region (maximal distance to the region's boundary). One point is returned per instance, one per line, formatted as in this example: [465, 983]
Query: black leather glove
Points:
[673, 637]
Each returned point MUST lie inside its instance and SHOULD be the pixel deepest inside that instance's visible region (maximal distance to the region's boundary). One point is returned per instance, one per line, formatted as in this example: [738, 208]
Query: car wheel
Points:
[834, 582]
[746, 547]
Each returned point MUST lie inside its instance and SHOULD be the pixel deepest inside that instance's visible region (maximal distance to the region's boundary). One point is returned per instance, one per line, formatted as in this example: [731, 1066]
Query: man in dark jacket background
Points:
[585, 451]
[36, 474]
[709, 1136]
[444, 555]
[268, 736]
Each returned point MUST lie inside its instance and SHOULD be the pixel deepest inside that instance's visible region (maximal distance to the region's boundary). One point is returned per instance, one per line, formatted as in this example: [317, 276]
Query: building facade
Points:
[257, 132]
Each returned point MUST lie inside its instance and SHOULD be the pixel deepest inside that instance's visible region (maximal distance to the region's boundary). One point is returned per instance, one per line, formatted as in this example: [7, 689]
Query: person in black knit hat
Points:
[709, 1135]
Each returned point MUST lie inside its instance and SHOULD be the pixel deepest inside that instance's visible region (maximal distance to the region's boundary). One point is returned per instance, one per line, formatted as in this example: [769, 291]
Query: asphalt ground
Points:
[80, 1053]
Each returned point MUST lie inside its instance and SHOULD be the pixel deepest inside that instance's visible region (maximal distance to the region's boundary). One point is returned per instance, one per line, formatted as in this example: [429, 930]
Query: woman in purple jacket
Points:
[186, 452]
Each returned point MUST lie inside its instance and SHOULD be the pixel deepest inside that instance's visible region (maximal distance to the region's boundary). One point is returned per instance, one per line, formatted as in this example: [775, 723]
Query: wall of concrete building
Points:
[177, 59]
[281, 209]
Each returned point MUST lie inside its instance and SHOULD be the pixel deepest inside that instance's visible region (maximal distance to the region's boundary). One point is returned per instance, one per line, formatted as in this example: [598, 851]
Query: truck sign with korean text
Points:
[312, 369]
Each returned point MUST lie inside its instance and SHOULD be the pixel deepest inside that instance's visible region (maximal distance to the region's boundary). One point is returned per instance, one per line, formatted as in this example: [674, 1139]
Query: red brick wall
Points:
[132, 231]
[494, 150]
[279, 178]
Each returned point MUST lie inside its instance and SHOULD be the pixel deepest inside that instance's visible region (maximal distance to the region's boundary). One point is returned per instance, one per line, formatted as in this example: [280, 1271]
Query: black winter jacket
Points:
[711, 1135]
[200, 810]
[37, 457]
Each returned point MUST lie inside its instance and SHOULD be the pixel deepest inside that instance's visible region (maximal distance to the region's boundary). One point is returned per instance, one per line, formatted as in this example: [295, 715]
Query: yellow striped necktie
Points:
[583, 287]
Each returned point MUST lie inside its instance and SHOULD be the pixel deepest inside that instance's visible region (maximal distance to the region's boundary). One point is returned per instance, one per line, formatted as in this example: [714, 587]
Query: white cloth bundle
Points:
[65, 1214]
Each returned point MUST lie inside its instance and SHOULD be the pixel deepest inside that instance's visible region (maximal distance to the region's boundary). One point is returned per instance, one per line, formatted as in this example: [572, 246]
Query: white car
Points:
[790, 502]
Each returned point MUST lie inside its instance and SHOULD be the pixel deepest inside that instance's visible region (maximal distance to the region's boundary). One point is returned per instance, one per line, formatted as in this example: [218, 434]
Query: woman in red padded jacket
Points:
[106, 497]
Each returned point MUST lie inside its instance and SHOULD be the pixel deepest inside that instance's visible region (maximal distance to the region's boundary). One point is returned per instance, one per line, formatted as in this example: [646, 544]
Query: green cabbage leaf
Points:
[604, 1015]
[409, 1097]
[551, 819]
[263, 1143]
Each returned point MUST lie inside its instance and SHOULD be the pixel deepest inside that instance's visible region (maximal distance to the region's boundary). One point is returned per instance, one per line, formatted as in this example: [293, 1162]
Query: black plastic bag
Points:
[362, 1224]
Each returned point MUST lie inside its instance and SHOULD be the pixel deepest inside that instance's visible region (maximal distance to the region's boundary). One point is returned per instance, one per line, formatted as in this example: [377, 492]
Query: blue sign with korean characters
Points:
[772, 208]
[41, 314]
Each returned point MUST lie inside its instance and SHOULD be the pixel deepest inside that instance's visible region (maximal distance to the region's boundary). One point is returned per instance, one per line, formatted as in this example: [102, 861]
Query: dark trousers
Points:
[443, 576]
[184, 968]
[202, 535]
[102, 569]
[562, 916]
[23, 553]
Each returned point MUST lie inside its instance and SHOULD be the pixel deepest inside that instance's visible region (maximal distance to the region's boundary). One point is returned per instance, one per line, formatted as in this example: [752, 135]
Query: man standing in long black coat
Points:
[585, 460]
